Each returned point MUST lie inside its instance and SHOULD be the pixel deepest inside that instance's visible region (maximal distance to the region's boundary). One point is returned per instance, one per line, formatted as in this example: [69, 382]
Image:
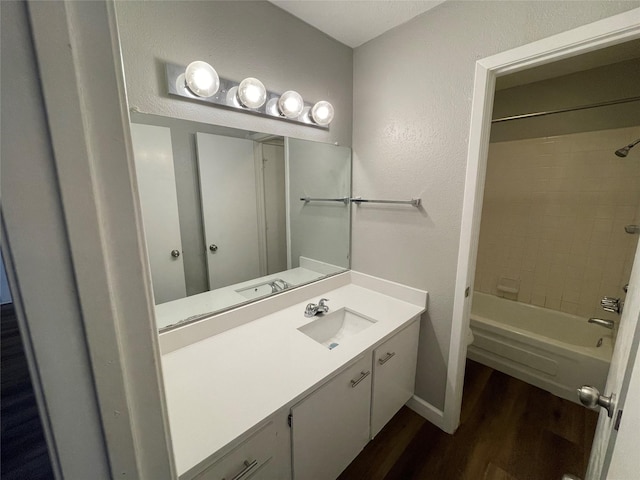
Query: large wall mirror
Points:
[226, 214]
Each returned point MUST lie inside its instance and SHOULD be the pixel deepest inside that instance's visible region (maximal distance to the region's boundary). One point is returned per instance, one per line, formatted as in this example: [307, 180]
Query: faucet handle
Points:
[611, 304]
[322, 301]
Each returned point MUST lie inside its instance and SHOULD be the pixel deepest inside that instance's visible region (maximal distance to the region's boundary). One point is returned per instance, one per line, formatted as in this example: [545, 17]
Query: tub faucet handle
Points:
[611, 304]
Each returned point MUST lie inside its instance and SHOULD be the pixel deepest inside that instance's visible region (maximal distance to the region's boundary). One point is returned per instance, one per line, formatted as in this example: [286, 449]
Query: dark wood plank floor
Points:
[24, 454]
[509, 430]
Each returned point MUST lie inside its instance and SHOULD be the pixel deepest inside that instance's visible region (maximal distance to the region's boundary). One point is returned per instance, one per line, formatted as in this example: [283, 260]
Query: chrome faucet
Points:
[611, 304]
[602, 322]
[278, 285]
[312, 309]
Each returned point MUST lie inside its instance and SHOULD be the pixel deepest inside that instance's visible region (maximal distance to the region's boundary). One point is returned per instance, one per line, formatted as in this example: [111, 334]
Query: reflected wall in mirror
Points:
[223, 216]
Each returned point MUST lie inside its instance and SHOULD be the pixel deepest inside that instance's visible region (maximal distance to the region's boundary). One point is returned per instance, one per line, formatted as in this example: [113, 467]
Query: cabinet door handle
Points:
[363, 375]
[387, 357]
[248, 466]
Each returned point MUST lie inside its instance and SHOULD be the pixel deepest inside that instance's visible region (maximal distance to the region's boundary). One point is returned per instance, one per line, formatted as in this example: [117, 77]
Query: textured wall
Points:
[553, 220]
[412, 103]
[240, 39]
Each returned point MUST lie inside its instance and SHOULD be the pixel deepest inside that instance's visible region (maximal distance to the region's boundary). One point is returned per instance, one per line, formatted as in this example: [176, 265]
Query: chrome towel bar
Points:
[416, 202]
[344, 200]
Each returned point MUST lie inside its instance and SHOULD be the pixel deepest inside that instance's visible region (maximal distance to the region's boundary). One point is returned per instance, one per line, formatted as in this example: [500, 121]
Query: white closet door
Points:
[229, 208]
[157, 188]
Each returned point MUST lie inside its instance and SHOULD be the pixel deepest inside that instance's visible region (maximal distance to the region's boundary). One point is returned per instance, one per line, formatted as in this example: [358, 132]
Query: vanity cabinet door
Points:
[394, 372]
[253, 458]
[331, 426]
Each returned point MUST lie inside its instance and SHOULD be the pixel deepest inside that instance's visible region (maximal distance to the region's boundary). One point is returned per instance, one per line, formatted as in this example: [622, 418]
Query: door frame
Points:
[594, 36]
[79, 70]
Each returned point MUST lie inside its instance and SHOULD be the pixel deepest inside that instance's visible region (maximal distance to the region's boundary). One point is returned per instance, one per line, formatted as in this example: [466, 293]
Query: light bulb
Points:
[252, 93]
[202, 79]
[322, 113]
[291, 104]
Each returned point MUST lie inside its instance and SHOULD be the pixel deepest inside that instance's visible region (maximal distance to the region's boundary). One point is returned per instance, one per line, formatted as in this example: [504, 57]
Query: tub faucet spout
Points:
[602, 322]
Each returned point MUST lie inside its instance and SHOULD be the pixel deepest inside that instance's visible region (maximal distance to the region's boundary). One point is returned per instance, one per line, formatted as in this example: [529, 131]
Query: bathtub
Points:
[552, 350]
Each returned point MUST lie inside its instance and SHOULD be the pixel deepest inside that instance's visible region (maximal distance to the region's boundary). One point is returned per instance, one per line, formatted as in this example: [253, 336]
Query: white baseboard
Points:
[427, 411]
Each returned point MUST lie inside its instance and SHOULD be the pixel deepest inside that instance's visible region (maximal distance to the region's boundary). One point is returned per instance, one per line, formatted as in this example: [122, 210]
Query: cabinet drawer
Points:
[331, 426]
[394, 372]
[253, 458]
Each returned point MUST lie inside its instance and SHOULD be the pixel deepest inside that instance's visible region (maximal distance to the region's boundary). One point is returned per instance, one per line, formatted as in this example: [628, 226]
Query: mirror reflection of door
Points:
[229, 214]
[153, 155]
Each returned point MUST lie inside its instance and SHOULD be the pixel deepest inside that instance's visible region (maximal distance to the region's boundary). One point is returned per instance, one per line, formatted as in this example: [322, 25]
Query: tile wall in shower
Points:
[553, 219]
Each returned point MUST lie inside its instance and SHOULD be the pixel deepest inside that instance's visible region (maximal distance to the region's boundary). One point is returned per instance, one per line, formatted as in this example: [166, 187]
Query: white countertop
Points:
[222, 386]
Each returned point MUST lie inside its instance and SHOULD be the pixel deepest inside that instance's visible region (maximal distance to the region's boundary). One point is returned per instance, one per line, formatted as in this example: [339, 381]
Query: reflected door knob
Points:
[590, 397]
[175, 253]
[213, 247]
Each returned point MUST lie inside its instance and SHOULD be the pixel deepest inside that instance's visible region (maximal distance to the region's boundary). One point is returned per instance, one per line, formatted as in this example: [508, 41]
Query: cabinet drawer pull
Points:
[363, 375]
[384, 360]
[248, 466]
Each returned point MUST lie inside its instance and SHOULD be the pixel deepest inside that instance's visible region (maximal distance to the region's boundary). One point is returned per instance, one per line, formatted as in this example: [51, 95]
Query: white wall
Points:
[611, 82]
[412, 103]
[239, 39]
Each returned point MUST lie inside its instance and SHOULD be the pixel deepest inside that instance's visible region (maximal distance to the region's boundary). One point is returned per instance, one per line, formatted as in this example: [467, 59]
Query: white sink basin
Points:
[332, 328]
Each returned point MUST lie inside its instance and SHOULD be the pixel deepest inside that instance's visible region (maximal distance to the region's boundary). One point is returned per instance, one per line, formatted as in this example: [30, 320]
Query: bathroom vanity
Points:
[244, 229]
[281, 395]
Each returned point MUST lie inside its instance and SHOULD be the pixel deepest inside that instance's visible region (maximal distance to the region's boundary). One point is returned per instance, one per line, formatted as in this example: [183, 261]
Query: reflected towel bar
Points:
[416, 202]
[344, 200]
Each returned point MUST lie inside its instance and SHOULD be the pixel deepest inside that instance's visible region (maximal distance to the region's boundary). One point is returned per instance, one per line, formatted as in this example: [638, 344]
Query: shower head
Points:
[624, 151]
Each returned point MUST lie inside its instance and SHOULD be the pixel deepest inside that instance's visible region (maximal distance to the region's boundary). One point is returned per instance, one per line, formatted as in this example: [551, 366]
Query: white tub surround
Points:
[552, 350]
[224, 387]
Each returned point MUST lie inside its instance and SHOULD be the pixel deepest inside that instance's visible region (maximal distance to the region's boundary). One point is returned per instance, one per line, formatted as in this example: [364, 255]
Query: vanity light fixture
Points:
[202, 79]
[322, 113]
[291, 104]
[200, 82]
[252, 93]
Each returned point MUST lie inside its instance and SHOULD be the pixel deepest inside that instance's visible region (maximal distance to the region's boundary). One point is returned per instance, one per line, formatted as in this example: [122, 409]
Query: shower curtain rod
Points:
[563, 110]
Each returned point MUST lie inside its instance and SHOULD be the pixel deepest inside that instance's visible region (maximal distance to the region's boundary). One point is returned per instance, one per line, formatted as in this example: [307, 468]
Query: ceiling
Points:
[355, 22]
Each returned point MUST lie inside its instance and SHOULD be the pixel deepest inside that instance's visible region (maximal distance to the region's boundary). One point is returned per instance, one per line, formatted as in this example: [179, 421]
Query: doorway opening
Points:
[557, 211]
[563, 51]
[553, 241]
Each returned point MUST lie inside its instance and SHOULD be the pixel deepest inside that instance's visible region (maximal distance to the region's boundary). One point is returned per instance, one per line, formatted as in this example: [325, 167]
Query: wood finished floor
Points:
[23, 455]
[509, 430]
